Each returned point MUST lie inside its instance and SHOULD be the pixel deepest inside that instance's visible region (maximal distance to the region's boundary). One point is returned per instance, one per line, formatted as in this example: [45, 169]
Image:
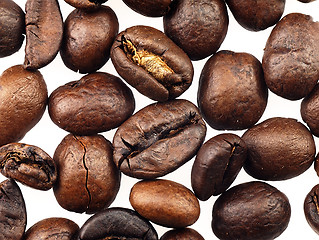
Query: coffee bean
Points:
[182, 234]
[158, 139]
[88, 180]
[117, 223]
[306, 1]
[86, 4]
[87, 39]
[198, 27]
[165, 202]
[96, 103]
[149, 8]
[217, 164]
[311, 208]
[12, 27]
[13, 215]
[250, 211]
[28, 164]
[278, 149]
[23, 99]
[291, 59]
[152, 63]
[44, 31]
[232, 93]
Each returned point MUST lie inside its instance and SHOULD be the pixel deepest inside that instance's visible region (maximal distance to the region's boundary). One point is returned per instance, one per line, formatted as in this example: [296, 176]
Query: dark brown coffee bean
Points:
[198, 27]
[256, 15]
[152, 63]
[13, 215]
[182, 234]
[291, 59]
[250, 211]
[150, 8]
[28, 164]
[12, 27]
[117, 223]
[44, 31]
[88, 180]
[53, 229]
[96, 103]
[306, 1]
[23, 99]
[278, 149]
[311, 208]
[232, 93]
[217, 164]
[165, 202]
[85, 4]
[158, 139]
[88, 37]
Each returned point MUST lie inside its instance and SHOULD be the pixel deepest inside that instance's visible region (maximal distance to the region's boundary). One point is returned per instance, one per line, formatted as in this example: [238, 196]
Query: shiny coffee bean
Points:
[278, 149]
[12, 27]
[217, 164]
[250, 211]
[158, 139]
[44, 31]
[117, 223]
[291, 59]
[23, 99]
[96, 103]
[152, 63]
[13, 215]
[198, 27]
[150, 8]
[86, 4]
[165, 203]
[182, 234]
[311, 208]
[88, 180]
[28, 164]
[53, 229]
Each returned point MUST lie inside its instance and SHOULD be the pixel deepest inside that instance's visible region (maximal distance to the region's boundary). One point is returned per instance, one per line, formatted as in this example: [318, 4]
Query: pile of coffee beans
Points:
[159, 119]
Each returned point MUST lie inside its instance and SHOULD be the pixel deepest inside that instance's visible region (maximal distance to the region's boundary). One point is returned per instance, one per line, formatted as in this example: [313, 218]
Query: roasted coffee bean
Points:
[165, 203]
[250, 211]
[256, 15]
[158, 139]
[278, 149]
[117, 223]
[44, 31]
[232, 93]
[217, 164]
[291, 59]
[28, 164]
[306, 1]
[311, 208]
[150, 8]
[12, 27]
[88, 37]
[88, 180]
[13, 215]
[198, 27]
[23, 99]
[96, 103]
[85, 4]
[53, 229]
[182, 234]
[152, 63]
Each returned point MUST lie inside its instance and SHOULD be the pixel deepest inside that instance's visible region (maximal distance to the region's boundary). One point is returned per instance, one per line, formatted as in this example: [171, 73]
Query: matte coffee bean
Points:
[96, 103]
[117, 223]
[165, 203]
[250, 211]
[311, 208]
[12, 27]
[28, 164]
[158, 139]
[44, 31]
[291, 59]
[86, 4]
[152, 63]
[13, 215]
[256, 15]
[88, 180]
[88, 37]
[198, 27]
[53, 229]
[278, 149]
[150, 8]
[23, 99]
[182, 234]
[232, 93]
[217, 164]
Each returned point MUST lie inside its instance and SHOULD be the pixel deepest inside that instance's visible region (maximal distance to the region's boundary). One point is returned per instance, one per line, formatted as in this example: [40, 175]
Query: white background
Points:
[47, 136]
